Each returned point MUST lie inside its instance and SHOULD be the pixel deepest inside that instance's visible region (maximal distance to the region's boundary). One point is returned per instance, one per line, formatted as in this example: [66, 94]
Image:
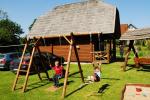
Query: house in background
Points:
[126, 28]
[131, 27]
[95, 24]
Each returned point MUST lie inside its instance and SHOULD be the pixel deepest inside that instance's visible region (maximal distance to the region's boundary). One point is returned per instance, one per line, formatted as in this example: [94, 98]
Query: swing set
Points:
[36, 43]
[137, 34]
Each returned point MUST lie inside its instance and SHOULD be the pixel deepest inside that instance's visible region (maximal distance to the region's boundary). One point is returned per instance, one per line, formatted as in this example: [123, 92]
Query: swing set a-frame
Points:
[35, 47]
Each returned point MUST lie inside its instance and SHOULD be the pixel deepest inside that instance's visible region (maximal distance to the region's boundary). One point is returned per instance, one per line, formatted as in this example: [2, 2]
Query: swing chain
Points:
[60, 42]
[90, 37]
[44, 41]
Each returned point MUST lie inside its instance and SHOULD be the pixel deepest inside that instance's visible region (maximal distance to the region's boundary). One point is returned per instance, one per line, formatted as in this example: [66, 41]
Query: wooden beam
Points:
[67, 39]
[72, 44]
[114, 49]
[67, 70]
[127, 54]
[65, 34]
[92, 50]
[28, 71]
[77, 57]
[108, 46]
[126, 60]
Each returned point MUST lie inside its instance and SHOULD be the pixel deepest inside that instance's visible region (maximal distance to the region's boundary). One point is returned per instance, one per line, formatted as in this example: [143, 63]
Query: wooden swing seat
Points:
[142, 61]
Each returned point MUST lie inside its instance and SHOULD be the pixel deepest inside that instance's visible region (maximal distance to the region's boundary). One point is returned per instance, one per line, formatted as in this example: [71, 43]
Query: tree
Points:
[3, 15]
[9, 32]
[30, 27]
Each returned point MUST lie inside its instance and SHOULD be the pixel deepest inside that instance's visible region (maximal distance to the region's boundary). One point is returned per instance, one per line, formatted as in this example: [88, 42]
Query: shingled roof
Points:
[92, 16]
[136, 34]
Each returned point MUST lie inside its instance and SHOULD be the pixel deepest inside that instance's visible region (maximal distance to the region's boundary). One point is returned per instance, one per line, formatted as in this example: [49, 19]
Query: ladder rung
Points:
[20, 86]
[19, 77]
[22, 70]
[24, 64]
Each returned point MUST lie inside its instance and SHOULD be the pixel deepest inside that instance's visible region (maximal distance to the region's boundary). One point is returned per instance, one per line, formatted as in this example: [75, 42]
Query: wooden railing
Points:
[102, 56]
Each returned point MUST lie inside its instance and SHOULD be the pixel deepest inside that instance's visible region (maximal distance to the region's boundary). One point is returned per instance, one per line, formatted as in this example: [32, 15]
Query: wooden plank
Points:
[67, 70]
[77, 57]
[92, 50]
[126, 59]
[58, 35]
[127, 54]
[108, 51]
[67, 39]
[83, 51]
[80, 69]
[28, 71]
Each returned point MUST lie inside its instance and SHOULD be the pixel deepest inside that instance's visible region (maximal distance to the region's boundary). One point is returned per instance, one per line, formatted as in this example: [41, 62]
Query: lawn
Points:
[112, 75]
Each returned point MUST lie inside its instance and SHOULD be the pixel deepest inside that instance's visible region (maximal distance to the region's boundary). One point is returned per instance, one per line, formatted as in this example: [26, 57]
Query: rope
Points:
[90, 37]
[60, 45]
[99, 41]
[60, 40]
[46, 53]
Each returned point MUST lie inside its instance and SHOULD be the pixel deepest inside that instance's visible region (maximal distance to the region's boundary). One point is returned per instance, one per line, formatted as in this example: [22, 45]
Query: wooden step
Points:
[24, 64]
[22, 70]
[19, 86]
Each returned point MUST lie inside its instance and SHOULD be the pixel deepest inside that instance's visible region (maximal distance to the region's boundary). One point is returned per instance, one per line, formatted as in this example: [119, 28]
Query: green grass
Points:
[112, 74]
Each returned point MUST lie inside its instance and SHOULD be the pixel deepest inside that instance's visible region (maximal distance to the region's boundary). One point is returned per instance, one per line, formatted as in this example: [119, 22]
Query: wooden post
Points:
[126, 60]
[67, 70]
[92, 47]
[127, 54]
[72, 44]
[77, 57]
[92, 50]
[114, 49]
[28, 71]
[52, 48]
[108, 46]
[135, 53]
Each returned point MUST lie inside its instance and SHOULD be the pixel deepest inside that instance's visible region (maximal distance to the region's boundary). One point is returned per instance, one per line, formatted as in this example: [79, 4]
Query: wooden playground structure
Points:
[138, 34]
[68, 27]
[36, 47]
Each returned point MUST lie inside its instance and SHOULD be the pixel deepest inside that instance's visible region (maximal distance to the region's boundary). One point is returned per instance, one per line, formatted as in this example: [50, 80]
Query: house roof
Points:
[92, 16]
[132, 26]
[136, 34]
[124, 28]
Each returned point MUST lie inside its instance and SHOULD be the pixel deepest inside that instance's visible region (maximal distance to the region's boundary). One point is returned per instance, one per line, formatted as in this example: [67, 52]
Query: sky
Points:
[23, 12]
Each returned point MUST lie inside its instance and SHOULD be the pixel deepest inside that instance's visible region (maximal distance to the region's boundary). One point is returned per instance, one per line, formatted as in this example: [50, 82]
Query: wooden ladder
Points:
[18, 76]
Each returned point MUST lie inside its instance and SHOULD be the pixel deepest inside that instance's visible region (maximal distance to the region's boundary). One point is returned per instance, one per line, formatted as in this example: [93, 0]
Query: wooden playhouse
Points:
[95, 25]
